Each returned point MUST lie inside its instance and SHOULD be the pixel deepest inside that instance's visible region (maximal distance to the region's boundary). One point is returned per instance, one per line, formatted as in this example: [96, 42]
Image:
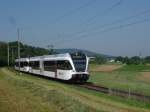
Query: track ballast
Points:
[116, 92]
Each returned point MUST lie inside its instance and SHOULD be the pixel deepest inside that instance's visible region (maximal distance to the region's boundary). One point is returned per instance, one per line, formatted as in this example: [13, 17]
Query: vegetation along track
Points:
[117, 92]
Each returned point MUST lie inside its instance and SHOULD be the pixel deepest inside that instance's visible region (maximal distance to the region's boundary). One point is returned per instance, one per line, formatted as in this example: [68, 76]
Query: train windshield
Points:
[79, 60]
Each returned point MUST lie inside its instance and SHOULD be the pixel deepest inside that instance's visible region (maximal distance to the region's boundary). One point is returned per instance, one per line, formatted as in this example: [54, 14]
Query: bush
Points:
[99, 60]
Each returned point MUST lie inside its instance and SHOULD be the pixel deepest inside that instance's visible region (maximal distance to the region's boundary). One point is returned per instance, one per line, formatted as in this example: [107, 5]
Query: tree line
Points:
[29, 51]
[98, 60]
[136, 60]
[25, 51]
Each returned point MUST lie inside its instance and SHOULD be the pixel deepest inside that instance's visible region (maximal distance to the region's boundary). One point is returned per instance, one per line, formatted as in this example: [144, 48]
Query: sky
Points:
[113, 27]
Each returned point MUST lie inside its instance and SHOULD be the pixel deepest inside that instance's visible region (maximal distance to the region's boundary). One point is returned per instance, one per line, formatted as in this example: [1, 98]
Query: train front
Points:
[80, 64]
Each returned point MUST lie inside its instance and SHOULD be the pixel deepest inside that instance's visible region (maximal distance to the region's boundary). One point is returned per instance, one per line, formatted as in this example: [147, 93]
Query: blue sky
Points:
[102, 26]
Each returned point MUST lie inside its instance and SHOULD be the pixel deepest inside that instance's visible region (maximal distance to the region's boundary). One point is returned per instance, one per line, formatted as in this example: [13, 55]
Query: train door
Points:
[55, 69]
[64, 69]
[50, 69]
[41, 67]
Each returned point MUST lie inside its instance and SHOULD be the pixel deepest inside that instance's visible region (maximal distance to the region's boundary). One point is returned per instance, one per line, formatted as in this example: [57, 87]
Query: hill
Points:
[87, 52]
[29, 51]
[25, 51]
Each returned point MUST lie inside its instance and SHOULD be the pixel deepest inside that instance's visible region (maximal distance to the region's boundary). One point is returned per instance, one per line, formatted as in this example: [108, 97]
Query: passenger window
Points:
[16, 64]
[34, 64]
[64, 65]
[21, 64]
[50, 66]
[25, 64]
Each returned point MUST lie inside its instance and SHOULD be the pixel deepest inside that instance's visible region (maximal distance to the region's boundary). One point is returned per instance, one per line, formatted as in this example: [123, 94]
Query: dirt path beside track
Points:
[105, 68]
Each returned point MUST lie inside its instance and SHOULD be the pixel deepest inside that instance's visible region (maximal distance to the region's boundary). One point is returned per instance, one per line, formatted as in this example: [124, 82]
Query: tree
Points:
[25, 51]
[126, 60]
[100, 60]
[135, 60]
[147, 59]
[119, 58]
[3, 54]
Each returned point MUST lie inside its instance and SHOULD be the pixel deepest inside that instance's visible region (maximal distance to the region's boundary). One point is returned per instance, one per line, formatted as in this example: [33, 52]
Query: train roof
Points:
[51, 56]
[22, 59]
[47, 57]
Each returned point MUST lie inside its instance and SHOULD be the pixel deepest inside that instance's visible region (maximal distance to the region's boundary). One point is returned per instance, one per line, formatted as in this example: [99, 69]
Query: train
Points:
[68, 66]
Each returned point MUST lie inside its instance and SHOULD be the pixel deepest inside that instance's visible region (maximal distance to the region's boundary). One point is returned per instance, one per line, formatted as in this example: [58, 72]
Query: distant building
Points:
[112, 60]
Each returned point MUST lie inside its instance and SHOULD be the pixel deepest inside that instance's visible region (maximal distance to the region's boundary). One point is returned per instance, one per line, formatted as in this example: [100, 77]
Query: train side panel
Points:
[64, 74]
[62, 66]
[49, 74]
[24, 67]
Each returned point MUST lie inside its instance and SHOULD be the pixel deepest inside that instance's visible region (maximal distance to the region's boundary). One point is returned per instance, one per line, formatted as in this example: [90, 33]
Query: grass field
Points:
[27, 93]
[134, 78]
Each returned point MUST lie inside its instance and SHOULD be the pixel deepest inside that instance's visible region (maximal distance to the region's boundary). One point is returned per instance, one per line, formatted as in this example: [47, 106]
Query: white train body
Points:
[60, 66]
[23, 63]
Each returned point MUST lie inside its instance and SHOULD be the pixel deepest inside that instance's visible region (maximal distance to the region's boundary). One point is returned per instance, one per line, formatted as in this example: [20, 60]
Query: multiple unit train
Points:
[68, 66]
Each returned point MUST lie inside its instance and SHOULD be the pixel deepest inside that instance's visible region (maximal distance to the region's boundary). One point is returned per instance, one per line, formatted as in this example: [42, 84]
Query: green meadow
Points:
[134, 78]
[27, 93]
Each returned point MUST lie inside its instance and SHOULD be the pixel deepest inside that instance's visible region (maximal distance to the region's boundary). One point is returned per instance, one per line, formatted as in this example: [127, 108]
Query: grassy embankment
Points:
[27, 93]
[127, 77]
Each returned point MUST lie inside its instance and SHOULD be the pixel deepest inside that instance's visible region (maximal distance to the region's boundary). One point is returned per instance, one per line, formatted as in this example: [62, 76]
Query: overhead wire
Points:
[74, 11]
[105, 12]
[117, 21]
[112, 23]
[109, 29]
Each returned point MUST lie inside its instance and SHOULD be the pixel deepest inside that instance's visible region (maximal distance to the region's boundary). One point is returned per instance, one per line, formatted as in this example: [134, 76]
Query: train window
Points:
[21, 64]
[25, 63]
[79, 61]
[16, 64]
[34, 64]
[64, 65]
[80, 65]
[50, 66]
[31, 63]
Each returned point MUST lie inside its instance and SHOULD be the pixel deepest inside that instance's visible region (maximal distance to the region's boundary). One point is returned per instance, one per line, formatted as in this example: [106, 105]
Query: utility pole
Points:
[12, 55]
[51, 49]
[8, 53]
[18, 34]
[140, 54]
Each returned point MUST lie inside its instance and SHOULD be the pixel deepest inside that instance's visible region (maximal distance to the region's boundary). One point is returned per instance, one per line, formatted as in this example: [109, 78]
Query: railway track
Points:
[116, 92]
